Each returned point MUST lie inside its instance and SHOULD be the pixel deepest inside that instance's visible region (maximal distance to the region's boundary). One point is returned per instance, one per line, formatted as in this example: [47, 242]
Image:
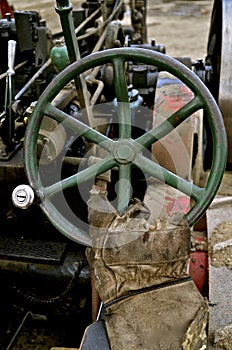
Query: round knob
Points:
[23, 196]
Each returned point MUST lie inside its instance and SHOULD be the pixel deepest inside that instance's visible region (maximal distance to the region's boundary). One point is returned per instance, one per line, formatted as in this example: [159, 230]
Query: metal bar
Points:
[9, 89]
[64, 9]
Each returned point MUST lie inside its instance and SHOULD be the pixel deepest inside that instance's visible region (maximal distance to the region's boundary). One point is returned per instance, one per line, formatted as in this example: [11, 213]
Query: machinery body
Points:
[63, 94]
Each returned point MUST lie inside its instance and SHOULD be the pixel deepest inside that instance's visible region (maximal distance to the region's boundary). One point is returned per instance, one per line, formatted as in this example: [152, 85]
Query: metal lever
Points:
[11, 56]
[9, 92]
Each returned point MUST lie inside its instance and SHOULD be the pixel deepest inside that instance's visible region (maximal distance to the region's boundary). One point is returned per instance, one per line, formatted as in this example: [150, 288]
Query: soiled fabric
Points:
[159, 319]
[141, 275]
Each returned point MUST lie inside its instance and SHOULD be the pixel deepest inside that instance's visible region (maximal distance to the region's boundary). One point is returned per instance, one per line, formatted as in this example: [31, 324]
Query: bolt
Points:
[23, 196]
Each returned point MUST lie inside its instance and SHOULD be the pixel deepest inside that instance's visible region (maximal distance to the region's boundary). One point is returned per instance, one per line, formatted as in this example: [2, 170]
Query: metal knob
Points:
[23, 196]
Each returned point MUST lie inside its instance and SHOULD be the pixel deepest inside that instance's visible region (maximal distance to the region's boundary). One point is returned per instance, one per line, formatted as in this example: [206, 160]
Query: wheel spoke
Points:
[124, 187]
[172, 122]
[162, 174]
[83, 176]
[74, 124]
[124, 112]
[126, 152]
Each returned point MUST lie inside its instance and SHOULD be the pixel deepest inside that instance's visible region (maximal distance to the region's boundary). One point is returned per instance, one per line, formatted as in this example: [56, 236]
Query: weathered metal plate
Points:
[225, 86]
[95, 337]
[31, 250]
[219, 227]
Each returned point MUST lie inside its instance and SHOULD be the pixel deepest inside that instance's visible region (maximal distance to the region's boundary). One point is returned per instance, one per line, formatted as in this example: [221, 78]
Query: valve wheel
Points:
[125, 151]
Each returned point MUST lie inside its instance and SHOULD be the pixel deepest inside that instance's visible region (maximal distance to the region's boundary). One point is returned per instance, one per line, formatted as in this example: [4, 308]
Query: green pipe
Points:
[64, 9]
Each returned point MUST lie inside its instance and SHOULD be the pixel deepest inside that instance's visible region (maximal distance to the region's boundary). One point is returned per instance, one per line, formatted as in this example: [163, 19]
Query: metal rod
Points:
[9, 91]
[33, 79]
[11, 344]
[64, 9]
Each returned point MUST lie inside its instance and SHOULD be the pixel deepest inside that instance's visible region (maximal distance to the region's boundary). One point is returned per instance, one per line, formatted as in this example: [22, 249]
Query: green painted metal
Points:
[62, 4]
[172, 122]
[124, 113]
[64, 9]
[59, 56]
[125, 151]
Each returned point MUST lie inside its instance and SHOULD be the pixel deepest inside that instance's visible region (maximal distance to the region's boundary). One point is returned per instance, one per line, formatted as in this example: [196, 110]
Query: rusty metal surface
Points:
[199, 270]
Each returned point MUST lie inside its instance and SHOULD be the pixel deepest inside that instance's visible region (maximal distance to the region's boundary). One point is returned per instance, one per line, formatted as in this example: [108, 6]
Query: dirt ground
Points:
[182, 26]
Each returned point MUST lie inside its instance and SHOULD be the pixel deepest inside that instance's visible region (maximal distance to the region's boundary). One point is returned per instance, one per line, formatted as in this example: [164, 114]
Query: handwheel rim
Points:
[145, 56]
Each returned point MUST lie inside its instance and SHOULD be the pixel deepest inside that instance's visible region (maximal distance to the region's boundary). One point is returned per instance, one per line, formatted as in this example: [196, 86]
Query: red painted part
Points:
[179, 204]
[173, 151]
[198, 270]
[169, 99]
[6, 8]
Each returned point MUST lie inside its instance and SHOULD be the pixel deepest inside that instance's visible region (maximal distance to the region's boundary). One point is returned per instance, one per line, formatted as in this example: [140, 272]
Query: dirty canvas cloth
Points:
[141, 275]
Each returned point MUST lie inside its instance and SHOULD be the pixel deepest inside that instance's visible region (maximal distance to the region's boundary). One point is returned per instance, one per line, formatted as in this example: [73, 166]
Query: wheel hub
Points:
[123, 152]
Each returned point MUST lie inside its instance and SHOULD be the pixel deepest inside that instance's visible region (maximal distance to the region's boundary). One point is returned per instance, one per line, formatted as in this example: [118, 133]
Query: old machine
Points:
[115, 182]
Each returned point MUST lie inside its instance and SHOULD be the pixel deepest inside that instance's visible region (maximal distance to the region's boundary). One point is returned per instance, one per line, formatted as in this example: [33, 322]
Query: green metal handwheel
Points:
[125, 152]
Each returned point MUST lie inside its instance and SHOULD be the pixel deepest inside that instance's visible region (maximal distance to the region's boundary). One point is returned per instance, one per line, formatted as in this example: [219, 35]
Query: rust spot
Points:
[146, 237]
[177, 119]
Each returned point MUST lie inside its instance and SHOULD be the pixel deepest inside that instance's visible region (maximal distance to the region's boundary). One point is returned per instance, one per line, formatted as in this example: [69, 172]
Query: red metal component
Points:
[170, 97]
[198, 270]
[174, 151]
[5, 8]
